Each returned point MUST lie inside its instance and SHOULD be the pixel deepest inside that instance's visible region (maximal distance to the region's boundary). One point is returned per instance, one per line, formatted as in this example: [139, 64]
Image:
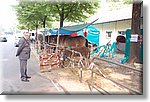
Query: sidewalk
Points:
[38, 84]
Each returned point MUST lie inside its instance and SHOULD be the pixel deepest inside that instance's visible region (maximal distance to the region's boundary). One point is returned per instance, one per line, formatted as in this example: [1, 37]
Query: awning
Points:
[71, 29]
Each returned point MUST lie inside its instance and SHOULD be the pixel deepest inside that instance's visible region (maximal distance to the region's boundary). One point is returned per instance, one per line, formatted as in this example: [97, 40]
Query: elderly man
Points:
[24, 54]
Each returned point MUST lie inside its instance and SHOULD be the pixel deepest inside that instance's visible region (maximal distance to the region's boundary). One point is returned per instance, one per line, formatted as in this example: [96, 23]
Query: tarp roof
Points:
[92, 34]
[71, 29]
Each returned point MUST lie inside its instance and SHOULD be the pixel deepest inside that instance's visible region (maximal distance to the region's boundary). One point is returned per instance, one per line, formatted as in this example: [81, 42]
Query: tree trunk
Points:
[36, 37]
[62, 18]
[135, 29]
[44, 21]
[44, 26]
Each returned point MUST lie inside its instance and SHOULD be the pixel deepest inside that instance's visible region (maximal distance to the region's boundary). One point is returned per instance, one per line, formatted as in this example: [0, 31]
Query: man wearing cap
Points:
[24, 54]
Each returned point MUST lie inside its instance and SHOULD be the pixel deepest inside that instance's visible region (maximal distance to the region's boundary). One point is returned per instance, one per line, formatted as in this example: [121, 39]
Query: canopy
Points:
[71, 29]
[92, 34]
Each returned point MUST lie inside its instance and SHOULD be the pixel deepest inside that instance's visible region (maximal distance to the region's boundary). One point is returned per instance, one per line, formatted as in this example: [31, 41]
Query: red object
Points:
[85, 33]
[74, 34]
[120, 39]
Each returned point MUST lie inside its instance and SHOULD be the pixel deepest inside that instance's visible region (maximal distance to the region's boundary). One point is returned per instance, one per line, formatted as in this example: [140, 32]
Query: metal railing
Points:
[48, 49]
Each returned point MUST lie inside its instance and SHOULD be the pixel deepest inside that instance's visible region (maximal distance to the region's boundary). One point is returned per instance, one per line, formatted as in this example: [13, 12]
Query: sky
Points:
[7, 14]
[8, 17]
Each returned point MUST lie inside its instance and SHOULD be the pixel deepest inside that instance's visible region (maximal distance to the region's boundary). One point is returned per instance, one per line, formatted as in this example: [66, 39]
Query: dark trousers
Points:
[23, 68]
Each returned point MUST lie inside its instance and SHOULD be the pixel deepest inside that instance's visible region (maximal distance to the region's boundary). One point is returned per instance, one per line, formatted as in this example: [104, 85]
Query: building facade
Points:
[114, 23]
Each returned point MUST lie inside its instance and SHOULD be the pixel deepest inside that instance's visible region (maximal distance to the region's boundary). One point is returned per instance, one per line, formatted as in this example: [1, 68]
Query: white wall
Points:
[114, 26]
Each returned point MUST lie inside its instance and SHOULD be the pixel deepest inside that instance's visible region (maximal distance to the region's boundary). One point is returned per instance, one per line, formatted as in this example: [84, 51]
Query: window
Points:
[121, 32]
[108, 34]
[32, 34]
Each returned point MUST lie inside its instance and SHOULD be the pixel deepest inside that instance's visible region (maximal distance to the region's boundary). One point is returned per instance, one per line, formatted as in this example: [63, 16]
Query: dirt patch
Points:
[69, 79]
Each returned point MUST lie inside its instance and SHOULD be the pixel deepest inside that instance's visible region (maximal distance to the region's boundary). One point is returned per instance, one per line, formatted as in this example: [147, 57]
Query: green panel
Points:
[127, 49]
[141, 48]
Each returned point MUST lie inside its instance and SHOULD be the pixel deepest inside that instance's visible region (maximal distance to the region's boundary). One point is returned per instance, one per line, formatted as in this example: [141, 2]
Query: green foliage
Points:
[76, 11]
[59, 10]
[30, 12]
[128, 1]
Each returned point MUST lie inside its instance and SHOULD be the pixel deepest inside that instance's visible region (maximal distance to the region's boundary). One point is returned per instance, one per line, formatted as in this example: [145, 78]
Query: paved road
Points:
[10, 75]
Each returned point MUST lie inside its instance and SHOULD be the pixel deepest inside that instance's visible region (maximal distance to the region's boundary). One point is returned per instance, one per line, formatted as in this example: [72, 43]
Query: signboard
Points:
[134, 38]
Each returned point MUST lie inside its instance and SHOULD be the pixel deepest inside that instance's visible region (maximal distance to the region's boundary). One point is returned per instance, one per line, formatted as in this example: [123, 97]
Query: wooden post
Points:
[57, 41]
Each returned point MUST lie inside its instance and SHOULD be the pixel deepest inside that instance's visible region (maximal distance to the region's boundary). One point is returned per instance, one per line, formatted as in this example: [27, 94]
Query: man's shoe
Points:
[28, 77]
[25, 80]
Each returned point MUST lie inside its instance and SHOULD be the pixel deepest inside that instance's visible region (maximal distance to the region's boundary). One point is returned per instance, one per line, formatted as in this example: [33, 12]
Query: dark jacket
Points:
[24, 49]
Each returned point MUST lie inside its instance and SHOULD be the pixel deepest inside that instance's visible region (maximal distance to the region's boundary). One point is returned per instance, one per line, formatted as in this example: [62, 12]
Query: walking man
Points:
[24, 54]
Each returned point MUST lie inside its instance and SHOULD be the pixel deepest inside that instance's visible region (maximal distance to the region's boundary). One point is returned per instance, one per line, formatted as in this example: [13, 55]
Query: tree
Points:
[28, 13]
[74, 11]
[32, 15]
[135, 29]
